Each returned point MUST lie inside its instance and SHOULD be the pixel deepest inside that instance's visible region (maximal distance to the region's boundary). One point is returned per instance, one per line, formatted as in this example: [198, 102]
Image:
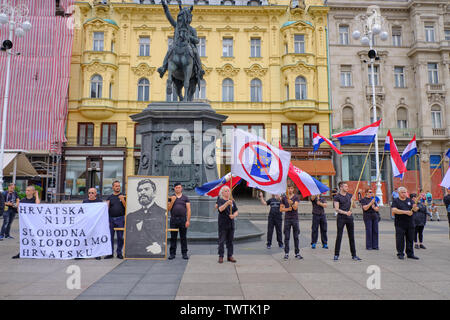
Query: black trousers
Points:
[404, 233]
[345, 221]
[288, 224]
[226, 236]
[418, 232]
[274, 221]
[319, 220]
[178, 223]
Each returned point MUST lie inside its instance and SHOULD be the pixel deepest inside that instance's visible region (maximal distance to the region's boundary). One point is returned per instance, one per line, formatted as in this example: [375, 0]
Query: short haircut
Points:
[32, 187]
[116, 181]
[401, 189]
[176, 184]
[223, 188]
[145, 181]
[11, 184]
[340, 184]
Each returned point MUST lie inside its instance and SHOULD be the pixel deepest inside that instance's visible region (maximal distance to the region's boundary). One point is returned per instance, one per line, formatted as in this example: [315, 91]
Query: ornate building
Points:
[412, 87]
[266, 69]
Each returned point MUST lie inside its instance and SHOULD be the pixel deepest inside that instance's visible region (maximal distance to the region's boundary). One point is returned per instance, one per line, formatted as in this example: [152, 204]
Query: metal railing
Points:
[119, 142]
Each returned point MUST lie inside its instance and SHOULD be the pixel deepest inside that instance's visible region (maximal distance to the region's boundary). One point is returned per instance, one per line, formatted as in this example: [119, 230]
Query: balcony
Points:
[105, 57]
[96, 109]
[439, 132]
[435, 88]
[379, 92]
[121, 142]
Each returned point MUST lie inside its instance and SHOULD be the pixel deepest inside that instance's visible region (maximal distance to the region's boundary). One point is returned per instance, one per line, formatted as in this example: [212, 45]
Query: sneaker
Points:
[416, 246]
[17, 256]
[9, 237]
[119, 256]
[325, 246]
[313, 246]
[185, 257]
[336, 258]
[109, 257]
[413, 257]
[1, 238]
[298, 256]
[422, 246]
[171, 257]
[269, 246]
[356, 258]
[281, 246]
[286, 256]
[98, 258]
[401, 257]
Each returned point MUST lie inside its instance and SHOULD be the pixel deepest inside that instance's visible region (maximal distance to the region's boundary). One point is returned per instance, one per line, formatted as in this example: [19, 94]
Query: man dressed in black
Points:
[370, 217]
[180, 217]
[319, 219]
[447, 206]
[274, 220]
[289, 205]
[403, 208]
[116, 209]
[343, 204]
[146, 228]
[92, 196]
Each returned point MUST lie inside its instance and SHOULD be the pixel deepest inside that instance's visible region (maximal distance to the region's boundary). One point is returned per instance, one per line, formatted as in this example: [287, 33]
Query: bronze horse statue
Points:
[182, 60]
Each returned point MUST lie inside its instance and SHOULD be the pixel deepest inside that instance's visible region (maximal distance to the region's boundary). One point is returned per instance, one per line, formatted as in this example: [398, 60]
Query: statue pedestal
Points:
[179, 141]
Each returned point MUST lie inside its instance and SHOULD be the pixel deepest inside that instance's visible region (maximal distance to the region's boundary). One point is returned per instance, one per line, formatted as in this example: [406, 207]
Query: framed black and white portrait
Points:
[146, 217]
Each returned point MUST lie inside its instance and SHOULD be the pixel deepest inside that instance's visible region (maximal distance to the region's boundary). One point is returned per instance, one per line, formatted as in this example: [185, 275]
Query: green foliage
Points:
[22, 194]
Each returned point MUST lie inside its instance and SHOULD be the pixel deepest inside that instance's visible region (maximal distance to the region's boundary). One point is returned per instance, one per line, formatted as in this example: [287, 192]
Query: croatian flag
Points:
[410, 150]
[398, 166]
[318, 139]
[364, 135]
[212, 188]
[307, 185]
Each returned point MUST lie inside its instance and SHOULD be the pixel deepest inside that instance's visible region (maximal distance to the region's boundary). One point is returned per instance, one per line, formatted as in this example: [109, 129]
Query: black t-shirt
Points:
[179, 209]
[11, 197]
[369, 212]
[116, 208]
[92, 201]
[316, 209]
[274, 206]
[293, 215]
[224, 219]
[26, 200]
[345, 202]
[447, 202]
[406, 205]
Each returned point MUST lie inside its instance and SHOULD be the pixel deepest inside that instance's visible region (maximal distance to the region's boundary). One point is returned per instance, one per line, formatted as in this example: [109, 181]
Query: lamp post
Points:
[372, 28]
[15, 17]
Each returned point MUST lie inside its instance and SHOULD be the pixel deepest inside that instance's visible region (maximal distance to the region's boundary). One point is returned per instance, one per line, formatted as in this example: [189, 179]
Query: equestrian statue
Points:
[182, 60]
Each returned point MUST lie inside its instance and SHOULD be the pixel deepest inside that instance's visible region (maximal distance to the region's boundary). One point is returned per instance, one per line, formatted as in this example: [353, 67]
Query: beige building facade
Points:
[412, 79]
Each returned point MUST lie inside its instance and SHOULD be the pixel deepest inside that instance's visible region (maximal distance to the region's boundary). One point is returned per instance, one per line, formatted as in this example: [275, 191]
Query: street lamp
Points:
[14, 16]
[372, 27]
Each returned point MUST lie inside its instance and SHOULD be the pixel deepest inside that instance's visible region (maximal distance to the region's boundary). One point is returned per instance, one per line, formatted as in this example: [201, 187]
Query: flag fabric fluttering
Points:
[318, 139]
[364, 135]
[306, 184]
[410, 151]
[398, 166]
[212, 188]
[262, 165]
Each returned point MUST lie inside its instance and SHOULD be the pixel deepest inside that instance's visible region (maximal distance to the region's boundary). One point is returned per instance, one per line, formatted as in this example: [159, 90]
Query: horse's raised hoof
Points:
[161, 71]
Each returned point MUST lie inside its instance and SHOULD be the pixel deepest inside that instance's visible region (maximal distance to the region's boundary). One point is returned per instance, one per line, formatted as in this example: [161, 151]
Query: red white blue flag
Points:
[213, 188]
[398, 166]
[364, 135]
[318, 139]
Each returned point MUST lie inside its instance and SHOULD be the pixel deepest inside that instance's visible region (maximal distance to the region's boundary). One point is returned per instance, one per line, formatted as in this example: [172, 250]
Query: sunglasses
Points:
[91, 192]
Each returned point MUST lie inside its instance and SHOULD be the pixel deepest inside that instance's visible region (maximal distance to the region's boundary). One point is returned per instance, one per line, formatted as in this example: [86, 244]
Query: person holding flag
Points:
[370, 216]
[289, 205]
[274, 220]
[228, 211]
[319, 218]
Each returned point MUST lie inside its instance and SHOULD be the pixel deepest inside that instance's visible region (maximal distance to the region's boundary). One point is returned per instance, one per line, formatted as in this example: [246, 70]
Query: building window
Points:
[308, 130]
[346, 76]
[75, 182]
[200, 94]
[397, 36]
[201, 46]
[144, 46]
[227, 90]
[109, 134]
[256, 90]
[378, 115]
[255, 47]
[137, 137]
[429, 33]
[143, 90]
[433, 76]
[436, 117]
[447, 34]
[289, 135]
[227, 47]
[399, 77]
[112, 46]
[375, 74]
[343, 34]
[112, 171]
[402, 118]
[96, 86]
[300, 88]
[227, 131]
[299, 43]
[85, 134]
[287, 92]
[347, 118]
[98, 41]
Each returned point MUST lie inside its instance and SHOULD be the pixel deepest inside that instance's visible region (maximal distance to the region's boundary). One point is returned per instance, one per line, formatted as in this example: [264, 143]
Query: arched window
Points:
[347, 117]
[96, 86]
[200, 94]
[402, 118]
[300, 88]
[227, 90]
[143, 90]
[256, 90]
[436, 117]
[378, 115]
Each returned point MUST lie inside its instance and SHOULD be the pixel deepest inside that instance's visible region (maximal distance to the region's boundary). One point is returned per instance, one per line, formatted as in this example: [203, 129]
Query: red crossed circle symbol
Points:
[280, 166]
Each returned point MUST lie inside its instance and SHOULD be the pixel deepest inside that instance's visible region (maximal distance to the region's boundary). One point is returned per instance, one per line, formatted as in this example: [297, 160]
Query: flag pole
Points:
[360, 175]
[434, 171]
[381, 165]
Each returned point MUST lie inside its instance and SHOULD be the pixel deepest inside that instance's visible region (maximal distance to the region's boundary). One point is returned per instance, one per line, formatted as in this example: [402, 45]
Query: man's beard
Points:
[145, 199]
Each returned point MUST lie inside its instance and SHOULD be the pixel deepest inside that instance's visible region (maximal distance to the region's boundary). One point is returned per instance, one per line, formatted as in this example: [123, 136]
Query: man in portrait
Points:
[146, 228]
